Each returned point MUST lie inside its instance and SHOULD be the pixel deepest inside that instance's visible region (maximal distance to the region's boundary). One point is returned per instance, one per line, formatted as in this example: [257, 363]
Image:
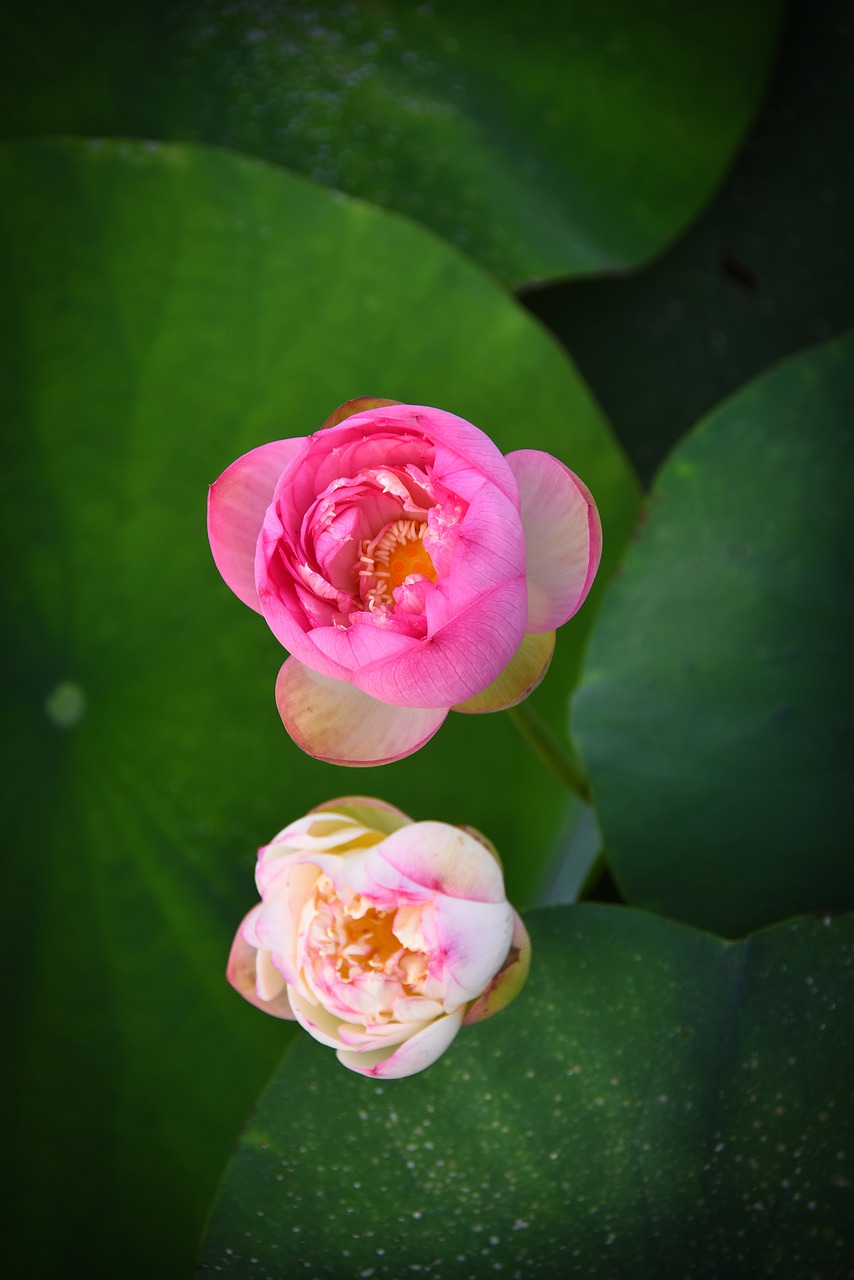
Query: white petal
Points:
[316, 1021]
[474, 938]
[416, 1053]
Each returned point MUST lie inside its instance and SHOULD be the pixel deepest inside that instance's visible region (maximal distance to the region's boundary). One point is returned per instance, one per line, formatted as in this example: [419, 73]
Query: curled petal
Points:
[314, 1019]
[414, 1054]
[377, 815]
[336, 722]
[461, 448]
[520, 677]
[434, 858]
[378, 1036]
[509, 980]
[416, 1009]
[563, 537]
[252, 976]
[329, 832]
[237, 502]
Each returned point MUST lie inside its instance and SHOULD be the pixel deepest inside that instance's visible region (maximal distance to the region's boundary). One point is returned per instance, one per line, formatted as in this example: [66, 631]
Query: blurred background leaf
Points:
[167, 308]
[547, 140]
[656, 1103]
[715, 710]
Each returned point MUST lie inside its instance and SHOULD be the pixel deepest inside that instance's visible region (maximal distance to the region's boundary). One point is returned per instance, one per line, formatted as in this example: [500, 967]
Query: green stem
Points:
[539, 737]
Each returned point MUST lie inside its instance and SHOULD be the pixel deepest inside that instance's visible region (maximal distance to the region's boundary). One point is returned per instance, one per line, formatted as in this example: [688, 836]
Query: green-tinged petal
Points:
[377, 815]
[359, 404]
[509, 980]
[520, 677]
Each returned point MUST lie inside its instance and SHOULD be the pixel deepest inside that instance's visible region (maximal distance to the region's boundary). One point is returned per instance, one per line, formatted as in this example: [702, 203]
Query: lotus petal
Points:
[237, 502]
[520, 677]
[414, 1054]
[252, 976]
[509, 980]
[563, 537]
[334, 721]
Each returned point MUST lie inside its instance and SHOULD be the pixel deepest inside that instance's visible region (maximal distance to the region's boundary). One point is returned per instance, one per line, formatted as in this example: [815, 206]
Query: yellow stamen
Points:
[397, 554]
[358, 938]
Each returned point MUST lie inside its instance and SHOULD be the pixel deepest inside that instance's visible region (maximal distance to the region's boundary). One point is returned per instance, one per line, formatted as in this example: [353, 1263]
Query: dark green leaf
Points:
[766, 270]
[545, 140]
[656, 1103]
[715, 713]
[165, 309]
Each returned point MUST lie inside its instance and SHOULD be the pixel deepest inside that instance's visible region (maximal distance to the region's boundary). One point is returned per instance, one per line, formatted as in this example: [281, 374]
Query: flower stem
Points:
[563, 763]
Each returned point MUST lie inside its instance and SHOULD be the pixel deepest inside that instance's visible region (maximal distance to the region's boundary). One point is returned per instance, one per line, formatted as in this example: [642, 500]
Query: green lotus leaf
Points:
[544, 140]
[715, 713]
[165, 309]
[656, 1103]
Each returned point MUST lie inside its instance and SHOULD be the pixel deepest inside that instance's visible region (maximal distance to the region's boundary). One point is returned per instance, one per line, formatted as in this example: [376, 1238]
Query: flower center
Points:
[392, 558]
[357, 938]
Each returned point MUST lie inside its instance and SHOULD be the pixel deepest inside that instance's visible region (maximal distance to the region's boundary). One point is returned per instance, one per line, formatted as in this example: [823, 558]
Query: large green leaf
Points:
[764, 272]
[167, 308]
[656, 1103]
[715, 713]
[546, 140]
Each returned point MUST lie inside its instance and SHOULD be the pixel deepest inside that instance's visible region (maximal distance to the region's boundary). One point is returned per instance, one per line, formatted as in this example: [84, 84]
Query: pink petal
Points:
[509, 980]
[475, 620]
[416, 1053]
[459, 661]
[432, 858]
[237, 502]
[473, 939]
[277, 920]
[563, 536]
[487, 551]
[520, 677]
[334, 721]
[286, 872]
[340, 651]
[461, 447]
[242, 973]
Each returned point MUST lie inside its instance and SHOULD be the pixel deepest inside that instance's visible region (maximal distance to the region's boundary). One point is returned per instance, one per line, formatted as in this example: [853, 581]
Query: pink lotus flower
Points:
[381, 936]
[407, 566]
